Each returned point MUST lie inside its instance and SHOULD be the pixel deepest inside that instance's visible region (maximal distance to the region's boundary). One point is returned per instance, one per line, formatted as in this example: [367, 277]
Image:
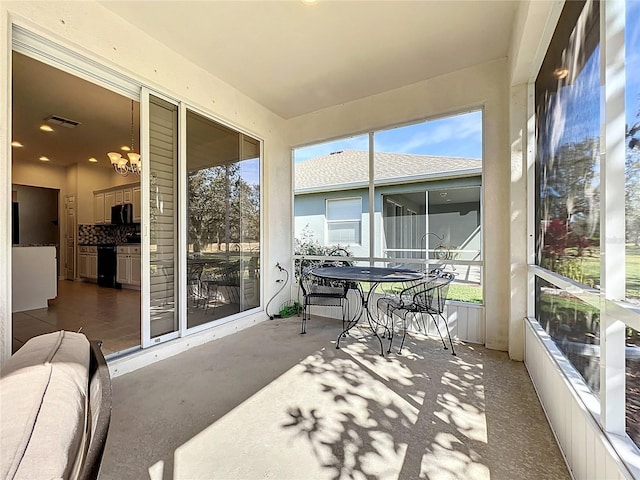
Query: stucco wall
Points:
[483, 86]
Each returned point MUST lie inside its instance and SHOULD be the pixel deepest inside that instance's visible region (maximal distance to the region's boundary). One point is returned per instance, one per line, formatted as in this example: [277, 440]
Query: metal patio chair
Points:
[323, 293]
[426, 297]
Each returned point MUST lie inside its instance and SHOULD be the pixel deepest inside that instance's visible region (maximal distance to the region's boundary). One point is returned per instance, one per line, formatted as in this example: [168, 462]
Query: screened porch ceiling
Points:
[295, 58]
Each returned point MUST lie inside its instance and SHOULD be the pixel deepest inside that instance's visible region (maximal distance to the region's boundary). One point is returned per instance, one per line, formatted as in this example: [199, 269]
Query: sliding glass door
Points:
[223, 221]
[202, 208]
[160, 321]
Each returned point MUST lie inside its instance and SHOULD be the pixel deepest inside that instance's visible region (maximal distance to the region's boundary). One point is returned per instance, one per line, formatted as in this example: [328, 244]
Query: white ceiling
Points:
[296, 58]
[291, 57]
[40, 90]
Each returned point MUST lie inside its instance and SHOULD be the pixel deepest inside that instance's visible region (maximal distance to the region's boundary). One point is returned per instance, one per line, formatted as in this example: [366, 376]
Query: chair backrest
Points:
[338, 252]
[312, 285]
[442, 288]
[430, 295]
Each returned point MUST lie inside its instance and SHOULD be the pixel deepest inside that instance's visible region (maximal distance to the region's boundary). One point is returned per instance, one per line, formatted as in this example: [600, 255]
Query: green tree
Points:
[632, 183]
[223, 208]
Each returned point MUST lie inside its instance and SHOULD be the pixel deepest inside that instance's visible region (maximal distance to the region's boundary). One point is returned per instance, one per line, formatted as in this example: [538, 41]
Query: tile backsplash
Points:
[105, 234]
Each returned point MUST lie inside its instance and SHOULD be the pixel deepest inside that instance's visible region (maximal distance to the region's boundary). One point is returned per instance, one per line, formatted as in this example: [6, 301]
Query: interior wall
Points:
[38, 214]
[482, 86]
[87, 28]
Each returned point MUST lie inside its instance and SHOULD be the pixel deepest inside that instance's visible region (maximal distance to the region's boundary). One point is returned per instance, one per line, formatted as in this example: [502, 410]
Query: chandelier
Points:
[132, 164]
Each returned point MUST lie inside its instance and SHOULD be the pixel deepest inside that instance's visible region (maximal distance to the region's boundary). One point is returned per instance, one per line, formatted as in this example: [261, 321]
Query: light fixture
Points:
[93, 160]
[561, 72]
[16, 144]
[123, 165]
[46, 128]
[44, 159]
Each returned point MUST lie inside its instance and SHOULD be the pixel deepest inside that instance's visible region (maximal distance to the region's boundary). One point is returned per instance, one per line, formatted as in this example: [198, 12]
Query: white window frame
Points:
[608, 407]
[329, 222]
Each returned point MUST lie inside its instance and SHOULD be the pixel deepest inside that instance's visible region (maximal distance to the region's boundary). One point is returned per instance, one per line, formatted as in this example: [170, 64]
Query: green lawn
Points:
[465, 293]
[589, 269]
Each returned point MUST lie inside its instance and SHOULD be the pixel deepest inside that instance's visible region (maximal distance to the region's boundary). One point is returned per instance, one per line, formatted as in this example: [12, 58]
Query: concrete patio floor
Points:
[269, 403]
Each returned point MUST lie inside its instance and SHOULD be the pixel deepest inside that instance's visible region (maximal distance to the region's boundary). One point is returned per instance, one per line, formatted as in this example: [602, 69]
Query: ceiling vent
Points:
[64, 122]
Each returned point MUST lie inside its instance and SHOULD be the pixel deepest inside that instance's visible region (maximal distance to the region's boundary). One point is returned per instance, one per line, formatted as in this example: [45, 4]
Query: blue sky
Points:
[453, 136]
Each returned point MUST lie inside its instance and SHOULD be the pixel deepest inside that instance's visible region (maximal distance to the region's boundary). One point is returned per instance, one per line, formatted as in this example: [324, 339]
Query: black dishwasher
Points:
[107, 266]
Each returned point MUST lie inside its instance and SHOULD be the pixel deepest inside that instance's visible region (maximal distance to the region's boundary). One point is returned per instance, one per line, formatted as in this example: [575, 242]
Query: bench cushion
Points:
[43, 400]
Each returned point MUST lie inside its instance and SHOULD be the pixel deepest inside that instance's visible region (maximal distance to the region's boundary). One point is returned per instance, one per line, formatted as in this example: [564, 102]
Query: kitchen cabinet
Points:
[109, 201]
[103, 200]
[128, 262]
[135, 200]
[127, 195]
[88, 262]
[98, 208]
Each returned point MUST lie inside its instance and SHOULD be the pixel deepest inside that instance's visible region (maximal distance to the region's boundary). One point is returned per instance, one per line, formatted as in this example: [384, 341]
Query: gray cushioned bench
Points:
[55, 404]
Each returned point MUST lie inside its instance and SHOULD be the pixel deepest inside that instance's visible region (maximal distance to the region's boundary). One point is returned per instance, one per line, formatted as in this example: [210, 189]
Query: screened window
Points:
[343, 221]
[579, 236]
[568, 167]
[418, 190]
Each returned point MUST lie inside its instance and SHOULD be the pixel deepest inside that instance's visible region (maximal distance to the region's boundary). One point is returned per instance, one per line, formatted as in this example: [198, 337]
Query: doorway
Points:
[63, 128]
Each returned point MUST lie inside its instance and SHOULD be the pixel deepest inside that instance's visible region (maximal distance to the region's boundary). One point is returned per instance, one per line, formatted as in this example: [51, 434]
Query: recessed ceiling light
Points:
[15, 143]
[46, 128]
[93, 160]
[309, 2]
[44, 159]
[124, 148]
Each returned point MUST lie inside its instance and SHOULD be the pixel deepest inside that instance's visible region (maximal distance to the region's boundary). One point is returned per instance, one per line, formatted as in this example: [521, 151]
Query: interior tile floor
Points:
[106, 314]
[269, 403]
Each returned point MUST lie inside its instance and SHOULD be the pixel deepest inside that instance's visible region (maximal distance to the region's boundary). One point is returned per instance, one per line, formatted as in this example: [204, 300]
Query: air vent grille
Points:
[64, 122]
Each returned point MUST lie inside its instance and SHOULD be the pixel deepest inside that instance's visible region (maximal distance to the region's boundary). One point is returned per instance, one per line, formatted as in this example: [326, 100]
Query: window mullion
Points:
[372, 218]
[612, 237]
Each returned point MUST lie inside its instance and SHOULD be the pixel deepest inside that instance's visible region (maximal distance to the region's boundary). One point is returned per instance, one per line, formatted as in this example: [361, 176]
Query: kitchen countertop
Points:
[34, 245]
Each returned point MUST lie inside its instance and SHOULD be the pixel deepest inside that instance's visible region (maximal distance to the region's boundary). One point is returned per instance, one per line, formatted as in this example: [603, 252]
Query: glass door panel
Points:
[223, 221]
[163, 250]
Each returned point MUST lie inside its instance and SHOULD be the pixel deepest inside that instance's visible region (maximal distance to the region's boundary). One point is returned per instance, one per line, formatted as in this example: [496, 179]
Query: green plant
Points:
[290, 310]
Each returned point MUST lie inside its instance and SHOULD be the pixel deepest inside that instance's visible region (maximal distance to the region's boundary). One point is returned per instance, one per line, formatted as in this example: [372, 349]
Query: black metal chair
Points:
[321, 292]
[427, 297]
[194, 285]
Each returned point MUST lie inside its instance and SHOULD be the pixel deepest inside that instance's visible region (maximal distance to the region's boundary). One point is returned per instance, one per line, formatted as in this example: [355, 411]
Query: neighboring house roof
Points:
[350, 168]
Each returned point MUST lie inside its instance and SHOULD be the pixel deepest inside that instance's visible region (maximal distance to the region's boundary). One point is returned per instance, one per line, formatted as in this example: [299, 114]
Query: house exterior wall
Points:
[310, 213]
[485, 86]
[310, 210]
[88, 29]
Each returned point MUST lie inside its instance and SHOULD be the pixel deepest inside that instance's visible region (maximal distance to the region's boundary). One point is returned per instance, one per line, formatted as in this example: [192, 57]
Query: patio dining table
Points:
[374, 276]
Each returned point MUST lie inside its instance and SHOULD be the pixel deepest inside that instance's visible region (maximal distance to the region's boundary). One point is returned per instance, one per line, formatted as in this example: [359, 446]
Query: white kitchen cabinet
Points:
[103, 200]
[136, 270]
[98, 208]
[109, 201]
[123, 270]
[83, 265]
[135, 200]
[128, 263]
[88, 262]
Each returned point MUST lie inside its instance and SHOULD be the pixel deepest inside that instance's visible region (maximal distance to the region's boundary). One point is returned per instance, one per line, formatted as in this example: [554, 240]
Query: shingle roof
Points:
[352, 167]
